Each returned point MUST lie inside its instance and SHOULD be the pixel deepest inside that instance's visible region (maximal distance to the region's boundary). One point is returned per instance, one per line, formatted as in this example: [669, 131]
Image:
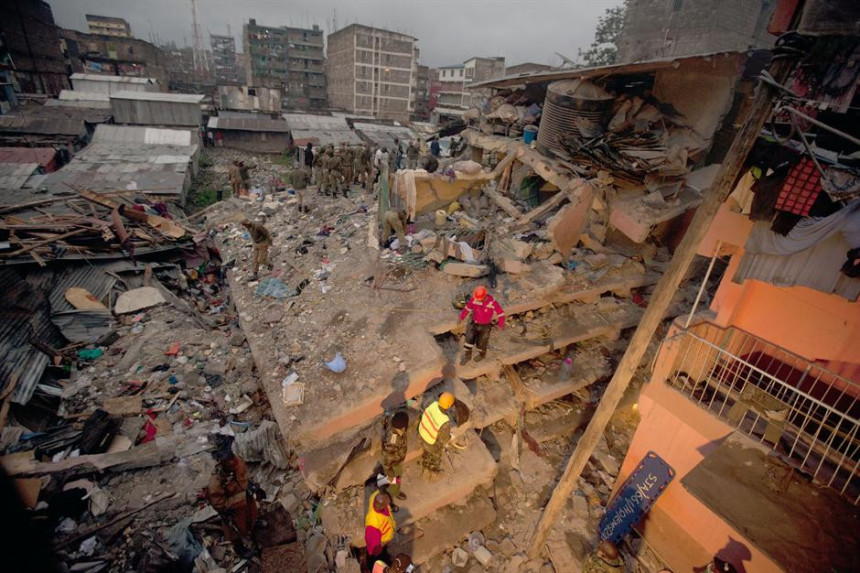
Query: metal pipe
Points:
[704, 282]
[820, 124]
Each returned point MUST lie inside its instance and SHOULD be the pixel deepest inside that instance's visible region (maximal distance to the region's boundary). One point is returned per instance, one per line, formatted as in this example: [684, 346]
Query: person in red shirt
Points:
[482, 308]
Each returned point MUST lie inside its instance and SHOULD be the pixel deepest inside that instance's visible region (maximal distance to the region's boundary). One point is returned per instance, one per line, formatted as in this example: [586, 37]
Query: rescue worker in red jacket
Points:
[379, 526]
[482, 309]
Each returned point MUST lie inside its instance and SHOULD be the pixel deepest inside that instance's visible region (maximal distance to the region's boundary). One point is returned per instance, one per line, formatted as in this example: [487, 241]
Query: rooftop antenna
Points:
[201, 66]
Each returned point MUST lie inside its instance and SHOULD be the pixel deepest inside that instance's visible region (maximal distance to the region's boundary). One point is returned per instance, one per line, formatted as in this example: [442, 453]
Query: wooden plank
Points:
[503, 202]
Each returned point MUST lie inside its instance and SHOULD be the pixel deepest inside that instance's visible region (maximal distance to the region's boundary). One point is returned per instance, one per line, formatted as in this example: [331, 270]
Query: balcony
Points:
[805, 414]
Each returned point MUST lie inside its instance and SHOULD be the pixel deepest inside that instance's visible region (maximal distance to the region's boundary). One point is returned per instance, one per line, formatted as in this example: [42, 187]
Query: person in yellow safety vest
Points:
[402, 563]
[435, 432]
[379, 526]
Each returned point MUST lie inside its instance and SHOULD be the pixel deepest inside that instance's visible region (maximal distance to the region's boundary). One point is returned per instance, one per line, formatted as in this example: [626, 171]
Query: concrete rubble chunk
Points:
[515, 248]
[263, 444]
[138, 299]
[459, 558]
[466, 270]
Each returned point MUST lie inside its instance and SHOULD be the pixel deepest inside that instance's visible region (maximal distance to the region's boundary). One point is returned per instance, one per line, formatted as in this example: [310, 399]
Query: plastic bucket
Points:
[440, 217]
[529, 134]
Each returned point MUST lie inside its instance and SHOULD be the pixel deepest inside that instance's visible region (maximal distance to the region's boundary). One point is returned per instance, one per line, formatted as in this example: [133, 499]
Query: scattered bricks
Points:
[580, 506]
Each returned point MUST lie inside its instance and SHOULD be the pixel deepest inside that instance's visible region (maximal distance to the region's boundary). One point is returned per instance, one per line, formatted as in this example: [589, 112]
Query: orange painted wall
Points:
[818, 326]
[683, 531]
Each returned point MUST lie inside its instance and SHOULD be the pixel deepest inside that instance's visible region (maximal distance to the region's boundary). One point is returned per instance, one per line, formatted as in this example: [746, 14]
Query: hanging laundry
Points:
[800, 189]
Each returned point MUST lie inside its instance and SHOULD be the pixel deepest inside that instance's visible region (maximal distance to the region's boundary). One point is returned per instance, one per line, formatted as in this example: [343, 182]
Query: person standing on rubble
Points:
[317, 168]
[235, 178]
[299, 181]
[604, 559]
[309, 156]
[401, 563]
[434, 430]
[334, 166]
[262, 240]
[379, 526]
[435, 149]
[380, 161]
[394, 446]
[347, 160]
[244, 174]
[413, 154]
[231, 494]
[482, 308]
[394, 222]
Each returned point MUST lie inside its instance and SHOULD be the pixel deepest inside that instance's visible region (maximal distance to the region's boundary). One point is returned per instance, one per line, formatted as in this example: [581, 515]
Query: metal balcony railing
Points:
[807, 414]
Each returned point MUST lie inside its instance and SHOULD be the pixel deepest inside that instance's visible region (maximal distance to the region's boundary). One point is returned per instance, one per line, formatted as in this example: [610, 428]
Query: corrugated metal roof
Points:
[15, 175]
[383, 135]
[156, 161]
[144, 135]
[55, 109]
[40, 155]
[24, 316]
[308, 122]
[247, 124]
[158, 96]
[80, 104]
[113, 79]
[81, 325]
[242, 114]
[42, 125]
[73, 95]
[324, 137]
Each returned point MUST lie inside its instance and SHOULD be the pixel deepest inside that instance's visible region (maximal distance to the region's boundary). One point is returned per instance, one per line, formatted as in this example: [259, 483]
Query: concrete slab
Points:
[589, 321]
[445, 529]
[472, 468]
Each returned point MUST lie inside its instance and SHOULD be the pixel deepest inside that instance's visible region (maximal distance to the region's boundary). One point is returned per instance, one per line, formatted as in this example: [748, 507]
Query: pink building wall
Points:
[817, 326]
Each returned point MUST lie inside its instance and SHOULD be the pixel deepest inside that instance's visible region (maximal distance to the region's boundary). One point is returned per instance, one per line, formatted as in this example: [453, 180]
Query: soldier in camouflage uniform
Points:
[604, 559]
[332, 173]
[347, 158]
[316, 168]
[394, 446]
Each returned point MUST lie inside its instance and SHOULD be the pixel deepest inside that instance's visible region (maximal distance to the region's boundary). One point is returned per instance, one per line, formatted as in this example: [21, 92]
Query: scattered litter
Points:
[337, 364]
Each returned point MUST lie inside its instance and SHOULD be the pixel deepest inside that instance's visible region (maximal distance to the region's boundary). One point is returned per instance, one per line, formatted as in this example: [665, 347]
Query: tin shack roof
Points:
[112, 79]
[247, 124]
[159, 97]
[42, 125]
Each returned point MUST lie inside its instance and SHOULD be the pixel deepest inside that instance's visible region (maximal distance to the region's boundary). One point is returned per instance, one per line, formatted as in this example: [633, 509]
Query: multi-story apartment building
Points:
[663, 28]
[114, 55]
[291, 59]
[224, 59]
[108, 26]
[32, 59]
[454, 80]
[372, 72]
[422, 94]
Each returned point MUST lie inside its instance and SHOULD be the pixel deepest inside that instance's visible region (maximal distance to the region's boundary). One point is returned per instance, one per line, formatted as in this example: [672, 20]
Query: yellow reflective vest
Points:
[384, 523]
[431, 422]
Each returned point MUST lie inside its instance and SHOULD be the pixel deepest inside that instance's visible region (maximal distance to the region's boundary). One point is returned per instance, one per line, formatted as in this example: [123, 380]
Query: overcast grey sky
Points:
[448, 31]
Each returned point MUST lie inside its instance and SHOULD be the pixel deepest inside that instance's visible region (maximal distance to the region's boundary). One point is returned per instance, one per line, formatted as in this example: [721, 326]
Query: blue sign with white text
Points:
[635, 497]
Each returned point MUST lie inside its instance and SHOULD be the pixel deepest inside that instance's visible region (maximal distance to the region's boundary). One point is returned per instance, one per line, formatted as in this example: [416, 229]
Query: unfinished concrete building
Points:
[224, 64]
[290, 59]
[372, 72]
[108, 26]
[661, 28]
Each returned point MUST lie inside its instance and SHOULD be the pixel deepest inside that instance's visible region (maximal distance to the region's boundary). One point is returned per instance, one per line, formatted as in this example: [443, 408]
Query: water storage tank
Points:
[567, 102]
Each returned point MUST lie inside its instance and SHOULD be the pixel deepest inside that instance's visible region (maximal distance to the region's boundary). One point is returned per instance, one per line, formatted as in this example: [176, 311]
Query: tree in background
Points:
[604, 50]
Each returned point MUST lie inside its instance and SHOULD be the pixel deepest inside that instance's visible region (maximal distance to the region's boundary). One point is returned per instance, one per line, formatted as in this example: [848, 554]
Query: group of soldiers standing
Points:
[335, 169]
